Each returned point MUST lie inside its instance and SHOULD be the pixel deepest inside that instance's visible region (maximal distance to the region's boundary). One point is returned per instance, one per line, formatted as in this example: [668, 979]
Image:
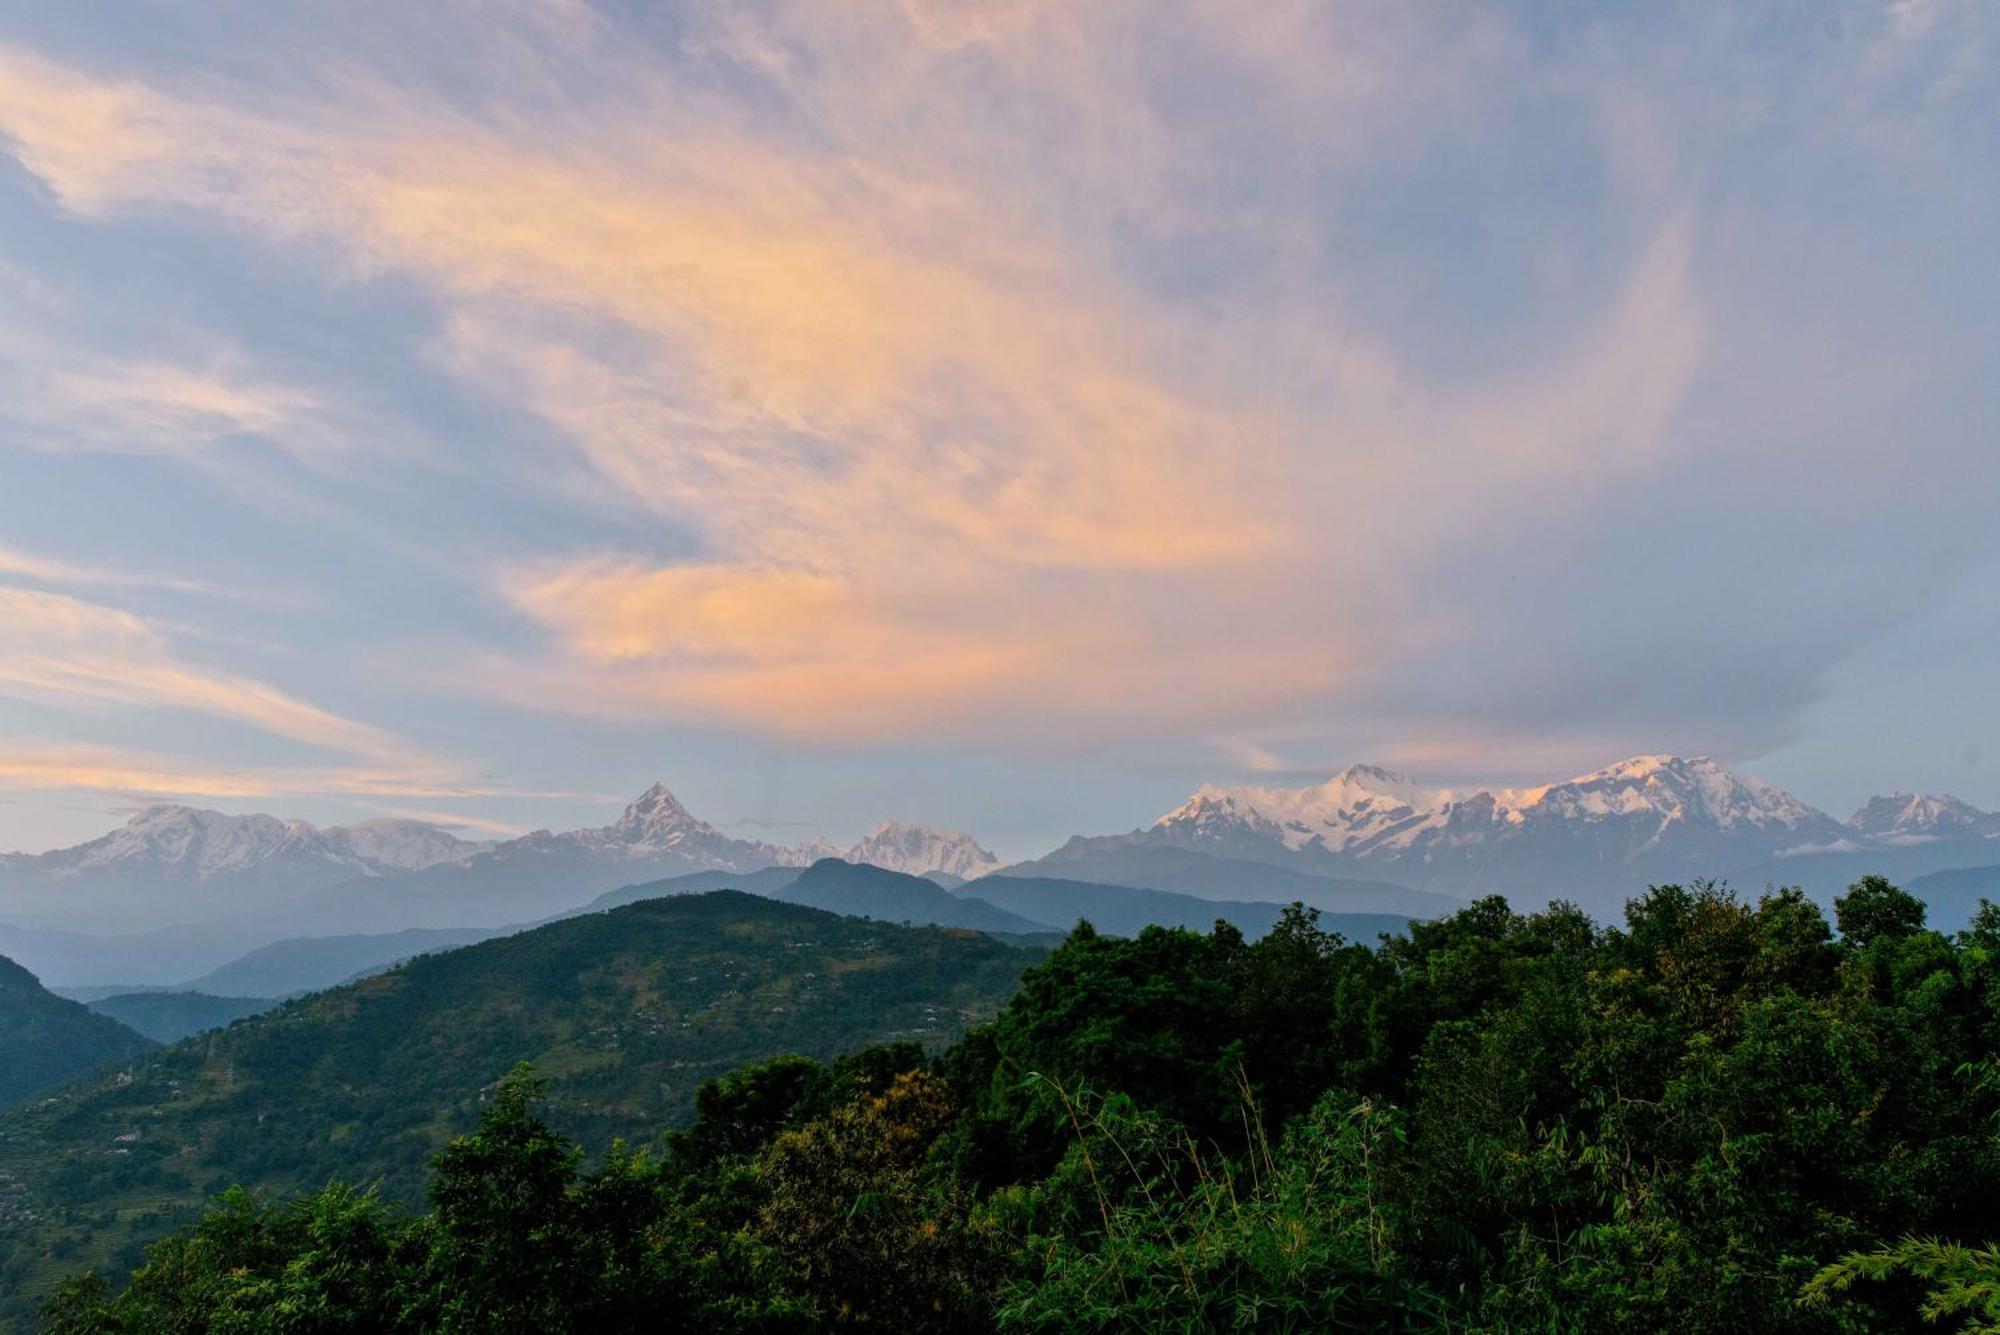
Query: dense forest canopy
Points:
[1718, 1116]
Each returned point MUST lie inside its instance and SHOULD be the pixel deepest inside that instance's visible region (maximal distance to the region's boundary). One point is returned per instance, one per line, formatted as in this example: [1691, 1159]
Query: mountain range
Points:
[172, 864]
[191, 890]
[176, 865]
[1596, 839]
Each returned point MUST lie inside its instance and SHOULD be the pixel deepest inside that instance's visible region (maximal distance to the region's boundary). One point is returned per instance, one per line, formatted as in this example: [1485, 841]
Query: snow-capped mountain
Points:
[1597, 837]
[176, 864]
[392, 844]
[1908, 818]
[1369, 812]
[655, 838]
[657, 828]
[171, 863]
[189, 843]
[917, 849]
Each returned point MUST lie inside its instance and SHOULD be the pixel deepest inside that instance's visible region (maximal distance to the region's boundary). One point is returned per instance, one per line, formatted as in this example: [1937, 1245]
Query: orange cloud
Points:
[940, 463]
[103, 769]
[109, 770]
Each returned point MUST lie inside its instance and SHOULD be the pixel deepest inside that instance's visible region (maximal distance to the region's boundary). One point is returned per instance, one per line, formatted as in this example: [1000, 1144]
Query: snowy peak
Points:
[1696, 792]
[1367, 816]
[657, 828]
[1357, 805]
[401, 844]
[657, 820]
[194, 844]
[656, 825]
[1923, 818]
[916, 849]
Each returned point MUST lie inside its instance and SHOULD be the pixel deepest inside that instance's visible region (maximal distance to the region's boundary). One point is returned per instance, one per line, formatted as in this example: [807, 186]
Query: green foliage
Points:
[1184, 1238]
[1708, 1119]
[1873, 910]
[1960, 1282]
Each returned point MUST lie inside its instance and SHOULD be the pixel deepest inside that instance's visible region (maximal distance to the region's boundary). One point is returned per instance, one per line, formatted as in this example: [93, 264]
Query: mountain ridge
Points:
[1597, 837]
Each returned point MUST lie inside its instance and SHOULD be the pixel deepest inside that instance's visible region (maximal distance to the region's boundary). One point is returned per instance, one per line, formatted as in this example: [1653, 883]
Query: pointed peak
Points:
[160, 813]
[915, 849]
[1364, 773]
[1640, 767]
[656, 801]
[1907, 814]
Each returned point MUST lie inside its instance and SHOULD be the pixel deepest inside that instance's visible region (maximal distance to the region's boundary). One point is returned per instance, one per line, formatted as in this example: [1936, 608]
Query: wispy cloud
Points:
[1010, 369]
[57, 648]
[49, 570]
[80, 767]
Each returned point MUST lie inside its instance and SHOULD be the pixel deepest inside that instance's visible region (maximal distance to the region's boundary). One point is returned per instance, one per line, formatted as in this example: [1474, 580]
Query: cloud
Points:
[41, 766]
[113, 770]
[61, 650]
[49, 570]
[1070, 373]
[183, 393]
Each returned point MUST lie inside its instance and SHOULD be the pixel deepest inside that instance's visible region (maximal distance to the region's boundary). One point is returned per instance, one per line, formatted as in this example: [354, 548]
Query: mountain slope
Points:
[765, 881]
[857, 890]
[1124, 910]
[1951, 898]
[308, 964]
[892, 896]
[624, 1012]
[45, 1040]
[160, 957]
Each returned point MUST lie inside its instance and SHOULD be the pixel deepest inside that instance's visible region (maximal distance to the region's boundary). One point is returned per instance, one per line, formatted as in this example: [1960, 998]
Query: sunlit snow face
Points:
[1033, 407]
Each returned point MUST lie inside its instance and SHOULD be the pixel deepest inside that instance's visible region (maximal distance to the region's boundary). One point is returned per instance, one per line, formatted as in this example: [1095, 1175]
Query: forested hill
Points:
[1719, 1117]
[626, 1013]
[46, 1040]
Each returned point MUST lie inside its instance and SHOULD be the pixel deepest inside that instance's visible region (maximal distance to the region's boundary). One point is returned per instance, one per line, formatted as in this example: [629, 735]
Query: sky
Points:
[1000, 415]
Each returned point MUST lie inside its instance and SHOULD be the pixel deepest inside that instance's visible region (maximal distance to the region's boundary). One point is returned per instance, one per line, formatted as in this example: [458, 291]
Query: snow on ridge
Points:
[1922, 818]
[916, 849]
[1370, 809]
[203, 844]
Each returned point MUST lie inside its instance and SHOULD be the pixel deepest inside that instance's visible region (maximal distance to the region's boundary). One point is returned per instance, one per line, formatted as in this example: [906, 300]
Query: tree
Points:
[1873, 910]
[505, 1250]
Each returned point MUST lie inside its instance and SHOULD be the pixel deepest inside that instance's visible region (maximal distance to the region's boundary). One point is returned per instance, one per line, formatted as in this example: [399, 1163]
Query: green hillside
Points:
[45, 1040]
[625, 1013]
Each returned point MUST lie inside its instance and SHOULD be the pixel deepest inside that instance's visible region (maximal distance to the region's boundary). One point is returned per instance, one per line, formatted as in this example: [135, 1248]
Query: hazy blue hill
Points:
[856, 889]
[892, 896]
[1825, 876]
[46, 1040]
[164, 957]
[167, 1017]
[626, 1012]
[1123, 910]
[765, 881]
[1121, 860]
[1952, 897]
[310, 963]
